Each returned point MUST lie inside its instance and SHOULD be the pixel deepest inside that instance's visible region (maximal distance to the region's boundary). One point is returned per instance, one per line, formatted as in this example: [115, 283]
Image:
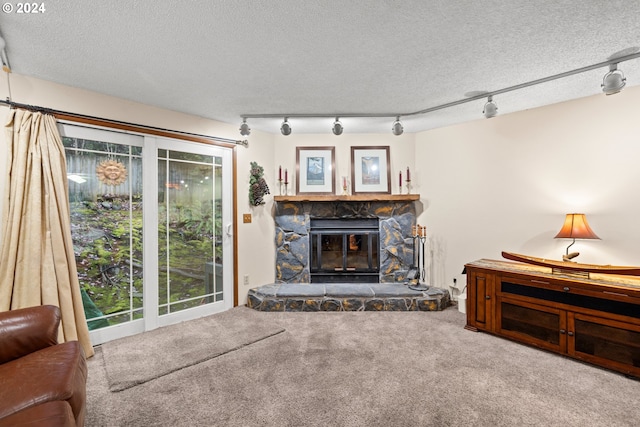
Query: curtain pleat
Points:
[37, 260]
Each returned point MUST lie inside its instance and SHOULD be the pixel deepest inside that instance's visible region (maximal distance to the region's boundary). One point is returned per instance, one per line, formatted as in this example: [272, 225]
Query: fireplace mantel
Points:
[348, 198]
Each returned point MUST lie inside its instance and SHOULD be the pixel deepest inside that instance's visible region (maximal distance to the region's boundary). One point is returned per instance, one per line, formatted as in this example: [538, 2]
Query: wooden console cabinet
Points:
[595, 319]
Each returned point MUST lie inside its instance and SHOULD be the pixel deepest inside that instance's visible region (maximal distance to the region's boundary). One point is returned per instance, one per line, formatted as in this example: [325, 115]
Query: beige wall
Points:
[255, 248]
[486, 186]
[506, 183]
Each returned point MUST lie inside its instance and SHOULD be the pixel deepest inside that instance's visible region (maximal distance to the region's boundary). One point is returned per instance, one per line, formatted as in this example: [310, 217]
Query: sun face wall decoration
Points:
[111, 172]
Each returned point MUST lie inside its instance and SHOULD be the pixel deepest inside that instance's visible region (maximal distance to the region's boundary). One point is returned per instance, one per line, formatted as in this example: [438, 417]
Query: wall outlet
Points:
[246, 280]
[246, 218]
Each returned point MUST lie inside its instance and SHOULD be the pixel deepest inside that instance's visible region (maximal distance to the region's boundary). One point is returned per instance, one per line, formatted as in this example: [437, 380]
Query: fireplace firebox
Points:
[344, 250]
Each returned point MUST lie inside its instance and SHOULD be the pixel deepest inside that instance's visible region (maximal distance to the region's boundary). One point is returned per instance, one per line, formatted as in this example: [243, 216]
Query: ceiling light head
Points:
[285, 128]
[337, 127]
[245, 130]
[490, 108]
[397, 128]
[613, 81]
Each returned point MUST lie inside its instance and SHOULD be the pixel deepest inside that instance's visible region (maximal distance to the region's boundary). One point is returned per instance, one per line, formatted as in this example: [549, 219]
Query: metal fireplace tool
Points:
[417, 274]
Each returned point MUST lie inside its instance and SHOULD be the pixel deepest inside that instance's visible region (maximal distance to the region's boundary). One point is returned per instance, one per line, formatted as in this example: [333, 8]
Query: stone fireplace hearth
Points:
[294, 288]
[292, 235]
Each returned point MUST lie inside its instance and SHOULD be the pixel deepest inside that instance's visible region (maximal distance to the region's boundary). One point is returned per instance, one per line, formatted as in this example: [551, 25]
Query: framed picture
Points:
[370, 171]
[315, 170]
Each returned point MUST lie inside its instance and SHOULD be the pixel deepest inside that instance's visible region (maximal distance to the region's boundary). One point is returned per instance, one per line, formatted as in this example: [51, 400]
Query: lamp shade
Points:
[576, 227]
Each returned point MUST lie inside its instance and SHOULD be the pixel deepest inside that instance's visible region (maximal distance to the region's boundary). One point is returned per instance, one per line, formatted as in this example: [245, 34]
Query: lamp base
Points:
[570, 257]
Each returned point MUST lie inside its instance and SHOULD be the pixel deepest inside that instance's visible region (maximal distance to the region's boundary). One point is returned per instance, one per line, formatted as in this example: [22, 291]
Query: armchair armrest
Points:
[26, 330]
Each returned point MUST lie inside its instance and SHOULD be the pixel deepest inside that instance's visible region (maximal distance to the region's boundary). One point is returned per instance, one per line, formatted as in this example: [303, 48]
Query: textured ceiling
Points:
[226, 58]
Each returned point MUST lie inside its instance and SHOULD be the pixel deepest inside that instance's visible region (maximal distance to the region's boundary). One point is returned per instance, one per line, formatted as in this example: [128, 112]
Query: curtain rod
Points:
[45, 110]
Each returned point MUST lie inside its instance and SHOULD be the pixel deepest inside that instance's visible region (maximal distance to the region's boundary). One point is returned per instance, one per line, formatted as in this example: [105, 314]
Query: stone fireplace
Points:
[381, 254]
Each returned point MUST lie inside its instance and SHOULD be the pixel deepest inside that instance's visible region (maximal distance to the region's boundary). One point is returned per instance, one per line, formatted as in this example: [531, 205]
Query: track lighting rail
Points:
[483, 95]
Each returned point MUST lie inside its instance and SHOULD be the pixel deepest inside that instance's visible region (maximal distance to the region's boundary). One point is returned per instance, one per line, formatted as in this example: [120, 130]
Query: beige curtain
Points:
[37, 263]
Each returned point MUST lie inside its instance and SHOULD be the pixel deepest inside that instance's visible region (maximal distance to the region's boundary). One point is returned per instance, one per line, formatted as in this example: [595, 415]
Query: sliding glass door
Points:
[193, 200]
[148, 219]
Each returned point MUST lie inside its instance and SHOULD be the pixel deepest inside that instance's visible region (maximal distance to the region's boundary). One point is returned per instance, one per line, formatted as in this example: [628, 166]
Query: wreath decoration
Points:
[257, 185]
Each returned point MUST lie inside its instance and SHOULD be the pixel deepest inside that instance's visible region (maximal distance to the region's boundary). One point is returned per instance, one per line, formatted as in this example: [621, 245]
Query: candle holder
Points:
[280, 187]
[408, 184]
[345, 186]
[286, 190]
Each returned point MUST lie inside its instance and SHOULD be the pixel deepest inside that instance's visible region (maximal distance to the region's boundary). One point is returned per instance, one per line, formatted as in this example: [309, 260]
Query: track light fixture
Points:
[285, 128]
[245, 130]
[337, 127]
[397, 128]
[490, 108]
[613, 81]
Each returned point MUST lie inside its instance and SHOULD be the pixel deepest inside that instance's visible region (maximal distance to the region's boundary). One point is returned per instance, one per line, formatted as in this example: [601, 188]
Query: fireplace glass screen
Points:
[344, 250]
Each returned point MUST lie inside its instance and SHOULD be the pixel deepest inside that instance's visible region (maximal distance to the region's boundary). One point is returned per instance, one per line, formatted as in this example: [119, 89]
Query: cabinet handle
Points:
[562, 331]
[542, 282]
[566, 289]
[487, 297]
[615, 293]
[570, 333]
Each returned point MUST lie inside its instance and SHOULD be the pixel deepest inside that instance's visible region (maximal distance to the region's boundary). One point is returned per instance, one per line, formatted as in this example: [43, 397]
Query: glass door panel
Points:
[192, 193]
[190, 261]
[104, 171]
[613, 342]
[362, 252]
[332, 252]
[541, 326]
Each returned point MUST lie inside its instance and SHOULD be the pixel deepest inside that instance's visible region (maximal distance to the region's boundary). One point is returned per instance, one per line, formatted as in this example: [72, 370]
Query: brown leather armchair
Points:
[43, 382]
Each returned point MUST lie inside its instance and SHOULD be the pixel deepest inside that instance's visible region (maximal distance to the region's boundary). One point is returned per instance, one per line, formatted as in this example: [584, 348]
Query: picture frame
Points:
[370, 171]
[315, 170]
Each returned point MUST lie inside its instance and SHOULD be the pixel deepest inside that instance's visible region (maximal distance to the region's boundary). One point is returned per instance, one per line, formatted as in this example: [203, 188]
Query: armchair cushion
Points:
[26, 330]
[58, 414]
[38, 376]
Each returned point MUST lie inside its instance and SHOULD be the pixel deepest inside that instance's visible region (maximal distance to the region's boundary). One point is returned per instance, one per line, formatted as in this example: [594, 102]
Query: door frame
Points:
[152, 319]
[100, 336]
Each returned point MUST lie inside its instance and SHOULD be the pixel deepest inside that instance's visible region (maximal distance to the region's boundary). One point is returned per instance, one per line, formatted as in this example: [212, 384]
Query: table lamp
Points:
[575, 227]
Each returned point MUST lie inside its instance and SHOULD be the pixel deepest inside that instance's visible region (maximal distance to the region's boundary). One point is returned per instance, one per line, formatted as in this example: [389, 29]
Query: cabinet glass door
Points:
[601, 339]
[540, 326]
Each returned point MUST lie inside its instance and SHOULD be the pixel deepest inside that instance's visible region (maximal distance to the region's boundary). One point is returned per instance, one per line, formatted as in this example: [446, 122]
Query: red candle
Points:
[286, 176]
[408, 176]
[344, 182]
[400, 179]
[279, 173]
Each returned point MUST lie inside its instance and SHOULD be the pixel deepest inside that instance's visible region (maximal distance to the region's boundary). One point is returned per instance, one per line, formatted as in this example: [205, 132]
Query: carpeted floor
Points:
[369, 369]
